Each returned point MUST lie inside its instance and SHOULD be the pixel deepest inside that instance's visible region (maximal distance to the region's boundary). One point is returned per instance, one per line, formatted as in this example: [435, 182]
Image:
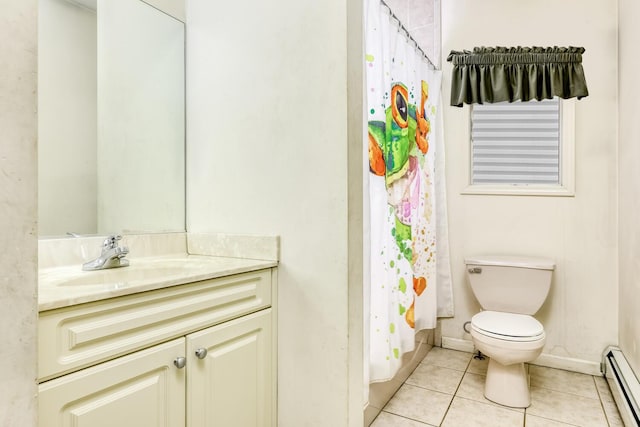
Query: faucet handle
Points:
[111, 241]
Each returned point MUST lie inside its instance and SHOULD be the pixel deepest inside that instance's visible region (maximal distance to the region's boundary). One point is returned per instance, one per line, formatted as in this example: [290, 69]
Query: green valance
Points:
[495, 74]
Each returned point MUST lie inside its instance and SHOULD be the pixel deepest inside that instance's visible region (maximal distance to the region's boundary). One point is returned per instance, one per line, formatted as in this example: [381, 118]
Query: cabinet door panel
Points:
[141, 389]
[232, 384]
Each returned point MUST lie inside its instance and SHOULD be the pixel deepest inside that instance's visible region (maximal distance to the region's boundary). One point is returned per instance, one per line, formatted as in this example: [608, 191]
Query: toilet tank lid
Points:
[511, 261]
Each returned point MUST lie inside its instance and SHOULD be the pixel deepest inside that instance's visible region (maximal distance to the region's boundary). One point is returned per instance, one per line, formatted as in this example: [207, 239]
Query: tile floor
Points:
[446, 389]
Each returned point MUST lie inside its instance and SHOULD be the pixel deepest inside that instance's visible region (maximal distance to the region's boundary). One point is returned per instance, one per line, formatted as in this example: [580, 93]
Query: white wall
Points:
[67, 96]
[629, 182]
[580, 233]
[18, 234]
[268, 153]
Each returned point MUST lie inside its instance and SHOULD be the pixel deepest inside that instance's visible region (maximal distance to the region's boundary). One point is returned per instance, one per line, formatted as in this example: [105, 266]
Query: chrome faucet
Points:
[112, 256]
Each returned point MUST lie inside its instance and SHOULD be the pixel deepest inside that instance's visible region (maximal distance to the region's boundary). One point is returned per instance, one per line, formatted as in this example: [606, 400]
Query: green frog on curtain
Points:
[396, 146]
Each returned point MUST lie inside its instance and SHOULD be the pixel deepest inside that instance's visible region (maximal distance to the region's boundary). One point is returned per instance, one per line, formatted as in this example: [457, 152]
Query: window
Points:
[522, 148]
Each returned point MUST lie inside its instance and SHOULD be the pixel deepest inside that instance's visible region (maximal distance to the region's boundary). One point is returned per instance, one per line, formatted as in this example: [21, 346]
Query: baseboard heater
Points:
[624, 385]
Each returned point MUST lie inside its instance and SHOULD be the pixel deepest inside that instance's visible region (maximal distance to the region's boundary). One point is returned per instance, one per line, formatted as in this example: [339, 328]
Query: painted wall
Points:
[18, 234]
[274, 146]
[629, 182]
[67, 96]
[580, 233]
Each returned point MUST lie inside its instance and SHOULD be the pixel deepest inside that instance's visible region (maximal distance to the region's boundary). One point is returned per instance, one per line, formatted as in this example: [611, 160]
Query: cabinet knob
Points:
[180, 362]
[201, 353]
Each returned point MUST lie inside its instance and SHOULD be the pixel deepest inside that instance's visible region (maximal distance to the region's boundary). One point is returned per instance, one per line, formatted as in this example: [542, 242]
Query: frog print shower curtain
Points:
[402, 103]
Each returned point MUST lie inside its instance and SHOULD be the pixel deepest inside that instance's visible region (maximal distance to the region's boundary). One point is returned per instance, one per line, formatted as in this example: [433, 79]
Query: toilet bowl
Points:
[510, 290]
[509, 340]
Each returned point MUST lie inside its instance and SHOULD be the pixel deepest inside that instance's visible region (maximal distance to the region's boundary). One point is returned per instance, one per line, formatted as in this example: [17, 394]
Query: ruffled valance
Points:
[495, 74]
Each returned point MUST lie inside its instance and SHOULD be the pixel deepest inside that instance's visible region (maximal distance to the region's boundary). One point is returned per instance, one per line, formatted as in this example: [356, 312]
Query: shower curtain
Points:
[409, 272]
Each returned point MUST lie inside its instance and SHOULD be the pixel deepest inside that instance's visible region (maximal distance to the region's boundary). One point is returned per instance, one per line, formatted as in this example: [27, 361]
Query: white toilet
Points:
[510, 290]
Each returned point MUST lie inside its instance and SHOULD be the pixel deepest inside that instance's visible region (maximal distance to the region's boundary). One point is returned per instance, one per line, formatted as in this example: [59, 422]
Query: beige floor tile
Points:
[470, 413]
[566, 408]
[610, 408]
[533, 421]
[419, 404]
[612, 414]
[479, 366]
[386, 419]
[409, 364]
[452, 359]
[472, 387]
[436, 378]
[563, 381]
[559, 398]
[603, 389]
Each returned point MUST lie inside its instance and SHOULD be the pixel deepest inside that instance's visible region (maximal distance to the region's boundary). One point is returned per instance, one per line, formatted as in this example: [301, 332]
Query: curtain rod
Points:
[403, 28]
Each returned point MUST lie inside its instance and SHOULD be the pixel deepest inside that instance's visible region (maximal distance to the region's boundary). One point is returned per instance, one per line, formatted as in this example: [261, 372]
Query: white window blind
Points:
[516, 143]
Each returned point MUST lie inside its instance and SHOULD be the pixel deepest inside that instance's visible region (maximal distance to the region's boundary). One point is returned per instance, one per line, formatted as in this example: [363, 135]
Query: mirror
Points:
[111, 118]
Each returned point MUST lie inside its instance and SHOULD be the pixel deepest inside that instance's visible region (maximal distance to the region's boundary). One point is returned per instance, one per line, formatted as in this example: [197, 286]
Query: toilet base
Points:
[507, 385]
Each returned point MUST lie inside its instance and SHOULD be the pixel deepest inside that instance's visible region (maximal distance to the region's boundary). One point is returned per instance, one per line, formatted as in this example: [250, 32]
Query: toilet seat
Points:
[507, 326]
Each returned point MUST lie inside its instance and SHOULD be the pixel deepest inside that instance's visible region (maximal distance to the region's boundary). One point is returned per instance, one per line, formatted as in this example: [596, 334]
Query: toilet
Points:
[510, 290]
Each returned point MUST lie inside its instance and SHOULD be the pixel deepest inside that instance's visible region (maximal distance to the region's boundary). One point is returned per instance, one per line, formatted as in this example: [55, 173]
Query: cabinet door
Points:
[141, 389]
[231, 386]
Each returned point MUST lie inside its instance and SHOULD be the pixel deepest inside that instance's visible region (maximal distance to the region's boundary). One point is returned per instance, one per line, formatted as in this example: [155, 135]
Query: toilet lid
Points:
[510, 326]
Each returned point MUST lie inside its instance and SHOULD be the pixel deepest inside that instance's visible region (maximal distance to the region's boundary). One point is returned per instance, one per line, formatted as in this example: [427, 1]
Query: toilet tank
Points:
[511, 284]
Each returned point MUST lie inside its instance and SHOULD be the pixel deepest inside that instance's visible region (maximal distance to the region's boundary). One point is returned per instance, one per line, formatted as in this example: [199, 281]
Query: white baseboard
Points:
[568, 364]
[457, 344]
[548, 360]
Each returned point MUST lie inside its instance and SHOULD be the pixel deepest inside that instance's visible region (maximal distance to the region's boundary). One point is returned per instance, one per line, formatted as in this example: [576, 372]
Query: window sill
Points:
[519, 190]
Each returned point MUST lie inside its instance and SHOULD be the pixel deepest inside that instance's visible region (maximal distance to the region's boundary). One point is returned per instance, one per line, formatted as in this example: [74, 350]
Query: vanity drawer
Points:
[75, 337]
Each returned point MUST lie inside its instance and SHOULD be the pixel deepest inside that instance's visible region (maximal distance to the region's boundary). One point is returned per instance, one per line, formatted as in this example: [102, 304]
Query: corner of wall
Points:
[355, 138]
[18, 204]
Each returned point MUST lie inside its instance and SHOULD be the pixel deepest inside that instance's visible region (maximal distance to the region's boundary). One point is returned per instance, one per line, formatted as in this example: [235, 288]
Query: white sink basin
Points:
[140, 271]
[125, 275]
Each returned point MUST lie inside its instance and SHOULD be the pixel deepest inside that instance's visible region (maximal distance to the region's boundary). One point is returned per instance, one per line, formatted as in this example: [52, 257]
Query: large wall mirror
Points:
[111, 118]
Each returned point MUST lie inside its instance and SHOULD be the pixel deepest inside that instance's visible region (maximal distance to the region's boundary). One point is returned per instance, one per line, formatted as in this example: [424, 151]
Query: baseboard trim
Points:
[568, 364]
[457, 344]
[547, 360]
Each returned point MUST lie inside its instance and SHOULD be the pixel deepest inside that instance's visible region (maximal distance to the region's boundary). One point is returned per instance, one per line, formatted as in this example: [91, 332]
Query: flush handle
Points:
[475, 270]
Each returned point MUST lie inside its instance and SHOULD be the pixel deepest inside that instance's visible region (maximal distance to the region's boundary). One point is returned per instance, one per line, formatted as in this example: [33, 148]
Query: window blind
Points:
[516, 143]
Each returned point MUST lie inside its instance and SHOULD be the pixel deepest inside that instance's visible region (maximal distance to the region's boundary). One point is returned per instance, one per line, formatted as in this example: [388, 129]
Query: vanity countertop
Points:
[68, 285]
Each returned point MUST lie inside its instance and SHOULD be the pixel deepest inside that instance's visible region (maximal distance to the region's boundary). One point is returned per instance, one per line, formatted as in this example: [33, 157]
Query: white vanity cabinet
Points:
[196, 355]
